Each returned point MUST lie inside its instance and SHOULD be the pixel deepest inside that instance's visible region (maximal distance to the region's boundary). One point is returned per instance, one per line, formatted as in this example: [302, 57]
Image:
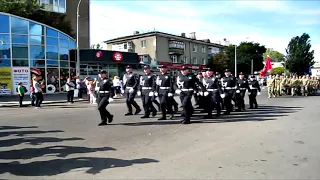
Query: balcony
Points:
[176, 47]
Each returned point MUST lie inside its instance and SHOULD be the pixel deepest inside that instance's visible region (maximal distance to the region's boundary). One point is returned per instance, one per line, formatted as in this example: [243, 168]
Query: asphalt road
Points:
[62, 141]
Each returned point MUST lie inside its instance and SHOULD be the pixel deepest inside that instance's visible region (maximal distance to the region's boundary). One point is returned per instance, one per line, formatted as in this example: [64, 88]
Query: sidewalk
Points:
[11, 101]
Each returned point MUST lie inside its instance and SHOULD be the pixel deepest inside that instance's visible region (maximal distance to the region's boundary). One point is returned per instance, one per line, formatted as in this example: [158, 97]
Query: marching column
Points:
[229, 84]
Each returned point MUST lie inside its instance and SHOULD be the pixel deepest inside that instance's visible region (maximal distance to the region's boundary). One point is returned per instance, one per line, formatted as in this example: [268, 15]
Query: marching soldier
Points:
[154, 98]
[213, 93]
[271, 85]
[242, 87]
[229, 83]
[165, 91]
[105, 95]
[294, 85]
[218, 76]
[304, 86]
[130, 88]
[254, 90]
[146, 90]
[186, 83]
[277, 85]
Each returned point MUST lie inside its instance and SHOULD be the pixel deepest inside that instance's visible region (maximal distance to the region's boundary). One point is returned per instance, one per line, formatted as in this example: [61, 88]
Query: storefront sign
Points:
[21, 74]
[5, 81]
[117, 56]
[99, 54]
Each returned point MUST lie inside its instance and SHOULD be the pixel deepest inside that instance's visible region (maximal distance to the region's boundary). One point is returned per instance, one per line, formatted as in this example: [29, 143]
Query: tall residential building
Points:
[163, 48]
[70, 8]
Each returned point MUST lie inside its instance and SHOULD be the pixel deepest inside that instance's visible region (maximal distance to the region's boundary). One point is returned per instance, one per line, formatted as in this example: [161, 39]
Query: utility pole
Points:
[235, 61]
[78, 51]
[251, 66]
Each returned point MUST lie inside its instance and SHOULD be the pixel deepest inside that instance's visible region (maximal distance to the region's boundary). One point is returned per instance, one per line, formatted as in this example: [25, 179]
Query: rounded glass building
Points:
[27, 48]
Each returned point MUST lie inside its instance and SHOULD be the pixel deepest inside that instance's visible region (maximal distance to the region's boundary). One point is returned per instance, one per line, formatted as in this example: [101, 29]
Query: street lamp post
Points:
[235, 60]
[78, 52]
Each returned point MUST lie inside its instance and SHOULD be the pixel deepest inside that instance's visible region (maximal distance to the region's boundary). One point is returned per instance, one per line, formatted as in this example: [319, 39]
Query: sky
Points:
[270, 23]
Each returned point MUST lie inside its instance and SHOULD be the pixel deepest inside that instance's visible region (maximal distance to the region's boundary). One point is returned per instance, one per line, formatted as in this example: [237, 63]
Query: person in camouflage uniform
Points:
[304, 86]
[270, 86]
[294, 85]
[283, 85]
[277, 86]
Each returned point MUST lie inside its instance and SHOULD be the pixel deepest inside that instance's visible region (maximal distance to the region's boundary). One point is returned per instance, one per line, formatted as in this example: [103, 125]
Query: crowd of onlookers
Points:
[76, 87]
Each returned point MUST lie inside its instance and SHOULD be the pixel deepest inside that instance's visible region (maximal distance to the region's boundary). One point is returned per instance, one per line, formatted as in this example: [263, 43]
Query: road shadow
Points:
[24, 133]
[263, 113]
[35, 141]
[59, 166]
[16, 127]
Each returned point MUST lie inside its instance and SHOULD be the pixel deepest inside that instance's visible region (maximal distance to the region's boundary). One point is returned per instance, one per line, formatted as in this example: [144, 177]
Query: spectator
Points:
[21, 92]
[70, 90]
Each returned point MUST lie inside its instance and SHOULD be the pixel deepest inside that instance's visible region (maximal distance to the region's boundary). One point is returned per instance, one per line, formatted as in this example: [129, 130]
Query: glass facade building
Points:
[54, 5]
[26, 45]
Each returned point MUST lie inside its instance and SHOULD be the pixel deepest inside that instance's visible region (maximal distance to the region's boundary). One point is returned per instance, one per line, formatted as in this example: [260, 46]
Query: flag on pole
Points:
[267, 67]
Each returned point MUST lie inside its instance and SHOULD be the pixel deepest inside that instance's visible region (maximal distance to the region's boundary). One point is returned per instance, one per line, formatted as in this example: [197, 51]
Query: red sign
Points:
[99, 54]
[117, 56]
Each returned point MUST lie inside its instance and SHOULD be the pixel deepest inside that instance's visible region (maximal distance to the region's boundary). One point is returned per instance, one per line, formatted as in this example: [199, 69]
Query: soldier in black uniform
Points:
[241, 91]
[186, 83]
[254, 90]
[213, 93]
[147, 88]
[130, 88]
[229, 83]
[105, 95]
[165, 91]
[218, 76]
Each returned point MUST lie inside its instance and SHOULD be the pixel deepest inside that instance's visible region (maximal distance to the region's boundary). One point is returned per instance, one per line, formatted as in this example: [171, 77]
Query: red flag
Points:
[267, 67]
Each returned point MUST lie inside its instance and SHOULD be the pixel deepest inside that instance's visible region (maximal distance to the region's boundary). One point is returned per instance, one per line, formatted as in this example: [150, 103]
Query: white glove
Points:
[139, 93]
[122, 91]
[237, 91]
[170, 94]
[156, 94]
[249, 93]
[201, 93]
[131, 90]
[151, 93]
[222, 95]
[178, 91]
[110, 100]
[206, 93]
[258, 93]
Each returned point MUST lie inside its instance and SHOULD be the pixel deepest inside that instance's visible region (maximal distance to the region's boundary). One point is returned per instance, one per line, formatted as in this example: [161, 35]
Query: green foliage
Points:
[219, 61]
[274, 55]
[277, 70]
[96, 46]
[246, 52]
[299, 54]
[31, 9]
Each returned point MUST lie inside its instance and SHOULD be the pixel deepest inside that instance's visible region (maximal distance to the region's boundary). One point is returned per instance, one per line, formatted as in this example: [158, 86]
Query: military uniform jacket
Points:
[243, 84]
[212, 84]
[130, 80]
[147, 82]
[229, 83]
[254, 85]
[164, 83]
[106, 87]
[188, 82]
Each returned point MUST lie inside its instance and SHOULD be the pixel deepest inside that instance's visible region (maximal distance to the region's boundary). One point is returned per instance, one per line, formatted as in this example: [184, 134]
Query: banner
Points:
[5, 81]
[21, 74]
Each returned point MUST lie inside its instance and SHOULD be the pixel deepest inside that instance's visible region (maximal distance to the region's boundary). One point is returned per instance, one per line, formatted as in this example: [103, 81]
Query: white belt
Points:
[103, 91]
[212, 90]
[243, 88]
[164, 87]
[253, 88]
[146, 87]
[186, 89]
[230, 88]
[129, 87]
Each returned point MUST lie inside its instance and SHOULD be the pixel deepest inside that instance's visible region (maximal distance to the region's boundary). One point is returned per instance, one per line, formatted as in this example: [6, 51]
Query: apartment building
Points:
[70, 8]
[156, 48]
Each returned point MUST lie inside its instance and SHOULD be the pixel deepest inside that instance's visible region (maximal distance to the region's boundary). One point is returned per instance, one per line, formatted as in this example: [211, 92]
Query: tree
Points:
[219, 61]
[277, 70]
[246, 53]
[31, 9]
[299, 54]
[96, 46]
[274, 55]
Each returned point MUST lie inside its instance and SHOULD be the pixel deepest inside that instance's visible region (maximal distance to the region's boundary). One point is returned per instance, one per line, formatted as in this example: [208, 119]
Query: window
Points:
[19, 26]
[194, 48]
[204, 62]
[62, 36]
[36, 29]
[5, 63]
[125, 46]
[4, 19]
[72, 64]
[184, 61]
[51, 32]
[203, 49]
[64, 53]
[52, 63]
[20, 51]
[4, 39]
[63, 43]
[19, 39]
[37, 63]
[144, 44]
[72, 44]
[174, 59]
[36, 52]
[5, 51]
[195, 60]
[64, 63]
[20, 63]
[36, 40]
[52, 52]
[52, 41]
